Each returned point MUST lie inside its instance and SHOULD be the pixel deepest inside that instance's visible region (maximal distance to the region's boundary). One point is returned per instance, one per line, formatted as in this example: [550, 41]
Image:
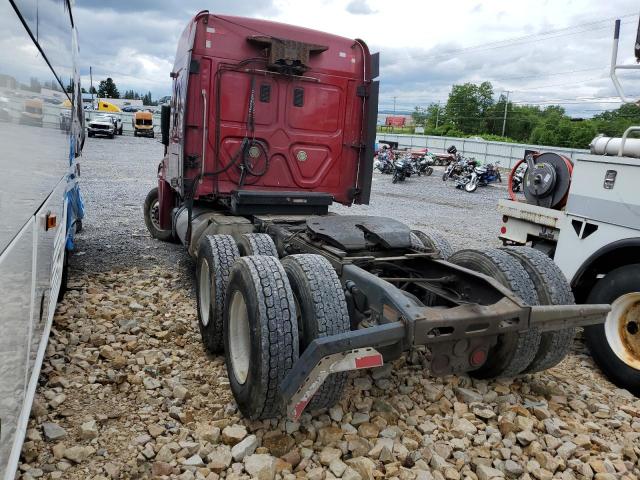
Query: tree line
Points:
[472, 109]
[107, 88]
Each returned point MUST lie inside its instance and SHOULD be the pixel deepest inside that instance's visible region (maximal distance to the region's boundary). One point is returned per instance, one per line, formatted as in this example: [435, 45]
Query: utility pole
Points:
[506, 104]
[394, 106]
[437, 115]
[91, 87]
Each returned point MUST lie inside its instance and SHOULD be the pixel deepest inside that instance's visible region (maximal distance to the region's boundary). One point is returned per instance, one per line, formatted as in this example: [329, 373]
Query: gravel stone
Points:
[53, 431]
[245, 447]
[260, 466]
[234, 434]
[89, 430]
[126, 355]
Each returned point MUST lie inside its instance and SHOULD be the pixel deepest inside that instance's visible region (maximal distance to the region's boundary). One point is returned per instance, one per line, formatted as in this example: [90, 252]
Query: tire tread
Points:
[553, 289]
[516, 279]
[277, 319]
[330, 312]
[221, 252]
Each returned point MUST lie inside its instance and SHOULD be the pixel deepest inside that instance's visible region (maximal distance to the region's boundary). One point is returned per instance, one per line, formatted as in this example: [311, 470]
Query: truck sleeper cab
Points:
[268, 125]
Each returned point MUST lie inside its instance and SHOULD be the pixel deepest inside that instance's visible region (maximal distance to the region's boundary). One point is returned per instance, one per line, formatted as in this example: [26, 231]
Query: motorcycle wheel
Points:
[445, 176]
[394, 179]
[428, 171]
[499, 177]
[471, 186]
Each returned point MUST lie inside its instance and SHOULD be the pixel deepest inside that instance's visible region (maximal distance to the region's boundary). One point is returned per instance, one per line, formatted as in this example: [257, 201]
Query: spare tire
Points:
[322, 311]
[514, 352]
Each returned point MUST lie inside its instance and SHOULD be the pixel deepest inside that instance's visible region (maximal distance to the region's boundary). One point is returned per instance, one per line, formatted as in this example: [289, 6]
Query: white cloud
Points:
[423, 45]
[359, 7]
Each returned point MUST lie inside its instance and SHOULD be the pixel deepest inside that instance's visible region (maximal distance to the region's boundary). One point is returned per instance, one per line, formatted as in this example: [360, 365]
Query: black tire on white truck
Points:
[615, 345]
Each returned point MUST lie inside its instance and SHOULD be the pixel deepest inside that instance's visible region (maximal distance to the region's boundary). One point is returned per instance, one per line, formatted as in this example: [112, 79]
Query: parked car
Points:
[143, 124]
[130, 109]
[115, 119]
[101, 125]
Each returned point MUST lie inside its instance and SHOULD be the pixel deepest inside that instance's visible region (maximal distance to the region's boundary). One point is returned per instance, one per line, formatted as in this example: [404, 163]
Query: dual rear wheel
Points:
[263, 313]
[536, 280]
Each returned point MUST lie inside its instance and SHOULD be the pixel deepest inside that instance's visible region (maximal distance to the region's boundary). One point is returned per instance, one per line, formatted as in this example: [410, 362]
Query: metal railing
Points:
[484, 151]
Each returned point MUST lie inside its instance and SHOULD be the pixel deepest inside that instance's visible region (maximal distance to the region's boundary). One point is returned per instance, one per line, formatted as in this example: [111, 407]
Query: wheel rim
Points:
[239, 339]
[154, 214]
[470, 187]
[204, 286]
[622, 329]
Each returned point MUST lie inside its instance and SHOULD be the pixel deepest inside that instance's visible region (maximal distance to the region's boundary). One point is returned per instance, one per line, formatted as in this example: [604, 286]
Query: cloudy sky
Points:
[542, 51]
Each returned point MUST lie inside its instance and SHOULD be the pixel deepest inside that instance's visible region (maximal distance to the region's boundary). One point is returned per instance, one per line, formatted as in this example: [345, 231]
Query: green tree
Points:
[467, 105]
[419, 116]
[582, 133]
[107, 89]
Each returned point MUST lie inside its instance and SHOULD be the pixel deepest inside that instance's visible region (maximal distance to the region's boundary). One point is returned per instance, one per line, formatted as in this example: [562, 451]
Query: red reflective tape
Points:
[369, 361]
[299, 408]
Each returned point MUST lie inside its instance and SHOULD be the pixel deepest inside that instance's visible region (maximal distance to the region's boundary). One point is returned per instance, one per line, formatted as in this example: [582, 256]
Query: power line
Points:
[545, 35]
[553, 74]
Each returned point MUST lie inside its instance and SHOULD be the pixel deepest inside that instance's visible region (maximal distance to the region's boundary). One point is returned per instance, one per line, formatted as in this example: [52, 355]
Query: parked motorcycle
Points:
[481, 175]
[447, 158]
[461, 167]
[384, 161]
[402, 170]
[422, 164]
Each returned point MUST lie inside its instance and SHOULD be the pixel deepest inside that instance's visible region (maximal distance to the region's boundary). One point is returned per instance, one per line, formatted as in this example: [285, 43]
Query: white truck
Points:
[589, 223]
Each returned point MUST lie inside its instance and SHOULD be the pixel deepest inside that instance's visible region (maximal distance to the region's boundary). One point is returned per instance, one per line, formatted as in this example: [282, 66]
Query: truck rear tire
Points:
[260, 334]
[436, 242]
[615, 345]
[514, 352]
[216, 256]
[257, 244]
[552, 288]
[322, 311]
[151, 220]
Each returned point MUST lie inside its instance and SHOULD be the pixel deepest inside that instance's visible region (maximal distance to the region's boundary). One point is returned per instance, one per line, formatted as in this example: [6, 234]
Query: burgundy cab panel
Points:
[272, 108]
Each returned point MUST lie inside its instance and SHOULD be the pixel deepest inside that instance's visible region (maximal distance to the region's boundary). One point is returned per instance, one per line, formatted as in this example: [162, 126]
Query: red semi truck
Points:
[268, 125]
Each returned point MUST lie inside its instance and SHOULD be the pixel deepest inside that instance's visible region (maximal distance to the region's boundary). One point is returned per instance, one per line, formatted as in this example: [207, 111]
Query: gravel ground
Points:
[117, 174]
[126, 390]
[468, 220]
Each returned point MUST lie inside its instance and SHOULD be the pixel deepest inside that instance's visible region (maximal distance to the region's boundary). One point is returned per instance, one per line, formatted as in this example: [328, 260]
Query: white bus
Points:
[41, 137]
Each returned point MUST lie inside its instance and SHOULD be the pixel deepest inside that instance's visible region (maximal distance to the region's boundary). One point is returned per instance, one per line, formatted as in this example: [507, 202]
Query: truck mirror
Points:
[165, 116]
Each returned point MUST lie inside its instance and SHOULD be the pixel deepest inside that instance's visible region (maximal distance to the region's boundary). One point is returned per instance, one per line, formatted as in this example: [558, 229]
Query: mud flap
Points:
[356, 359]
